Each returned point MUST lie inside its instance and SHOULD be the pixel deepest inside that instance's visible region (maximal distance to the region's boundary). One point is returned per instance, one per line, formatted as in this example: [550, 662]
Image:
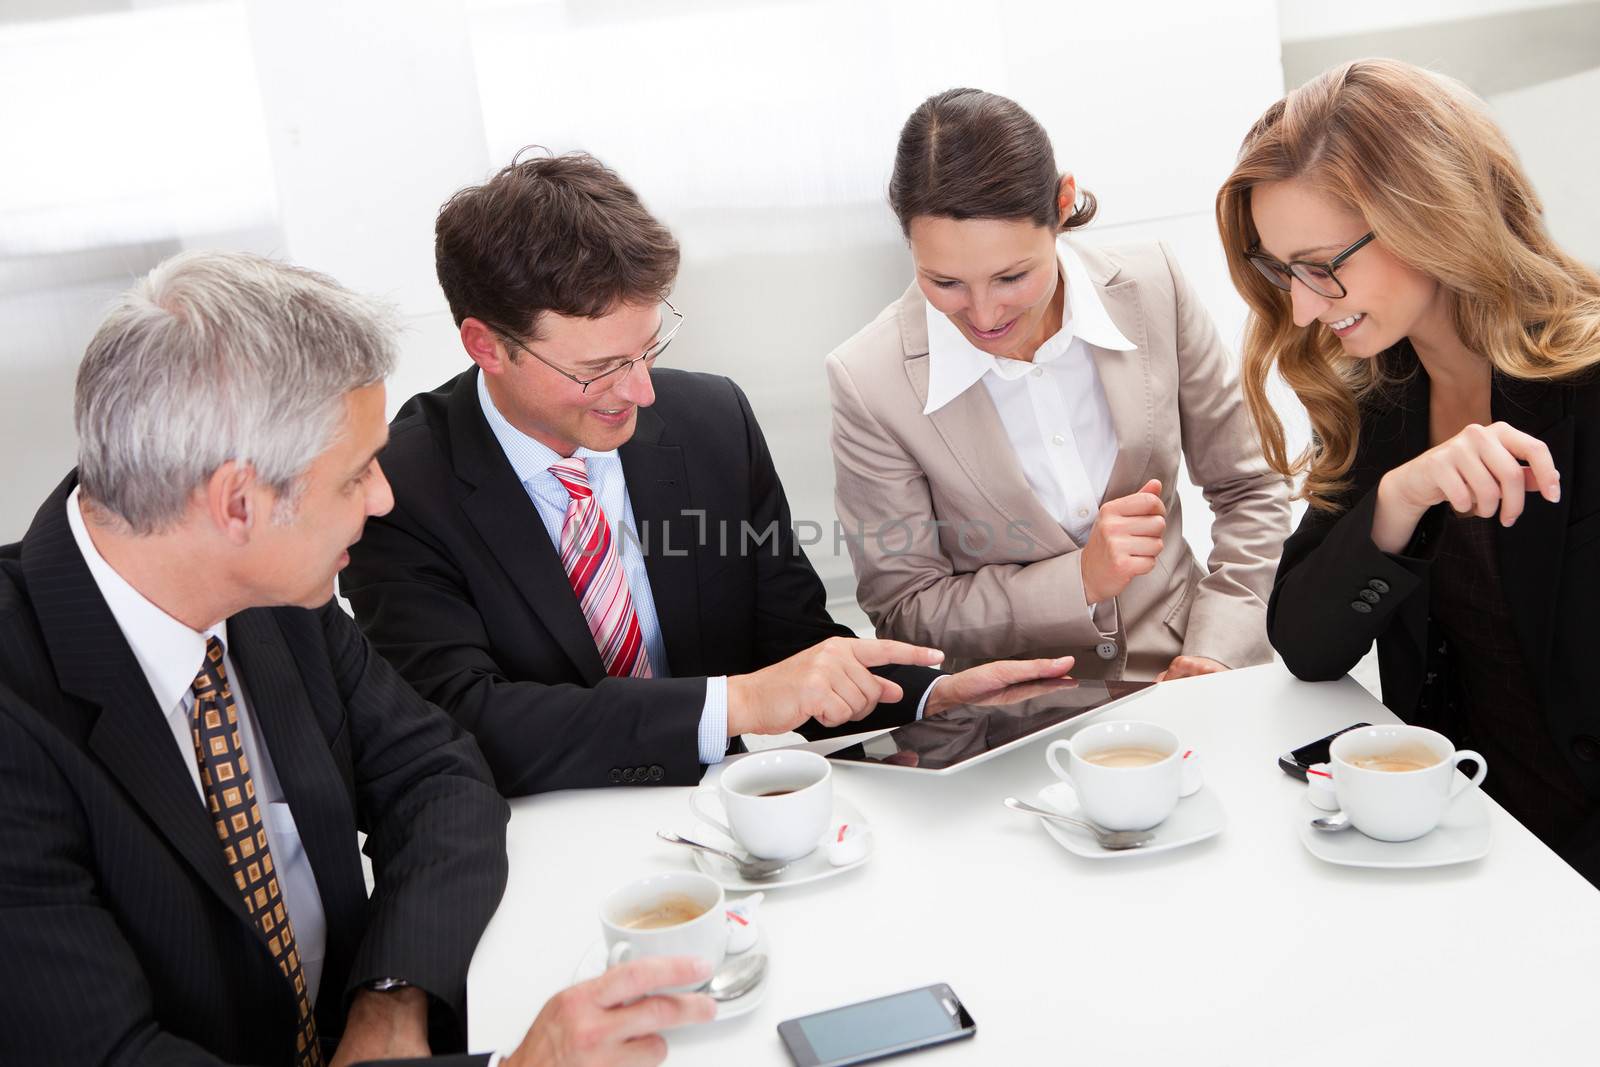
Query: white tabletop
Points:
[1244, 949]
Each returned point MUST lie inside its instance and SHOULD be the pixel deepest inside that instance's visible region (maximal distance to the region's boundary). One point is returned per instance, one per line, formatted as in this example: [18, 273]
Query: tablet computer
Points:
[966, 736]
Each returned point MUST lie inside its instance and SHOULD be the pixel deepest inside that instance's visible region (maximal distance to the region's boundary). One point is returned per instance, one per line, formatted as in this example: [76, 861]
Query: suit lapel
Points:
[658, 488]
[277, 699]
[130, 735]
[976, 437]
[499, 509]
[1125, 379]
[1530, 550]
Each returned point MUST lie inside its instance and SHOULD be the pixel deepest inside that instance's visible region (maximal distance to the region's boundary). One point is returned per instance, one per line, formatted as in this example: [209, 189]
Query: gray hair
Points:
[218, 356]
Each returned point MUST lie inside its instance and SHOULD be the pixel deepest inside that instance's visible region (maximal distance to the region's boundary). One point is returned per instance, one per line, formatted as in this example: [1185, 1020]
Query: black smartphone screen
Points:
[872, 1029]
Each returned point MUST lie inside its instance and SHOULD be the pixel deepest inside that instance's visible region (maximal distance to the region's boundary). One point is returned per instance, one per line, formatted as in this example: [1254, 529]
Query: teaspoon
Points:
[1115, 840]
[1332, 822]
[737, 976]
[751, 870]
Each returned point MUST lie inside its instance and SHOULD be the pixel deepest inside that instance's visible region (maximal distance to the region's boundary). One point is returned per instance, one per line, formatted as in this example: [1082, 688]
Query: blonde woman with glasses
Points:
[1401, 280]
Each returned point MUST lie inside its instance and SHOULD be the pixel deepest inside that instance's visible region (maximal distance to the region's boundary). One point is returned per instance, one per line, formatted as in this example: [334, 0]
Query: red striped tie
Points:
[595, 570]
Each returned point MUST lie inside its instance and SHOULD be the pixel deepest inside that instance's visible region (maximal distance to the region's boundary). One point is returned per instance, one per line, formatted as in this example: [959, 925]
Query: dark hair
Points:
[968, 154]
[551, 233]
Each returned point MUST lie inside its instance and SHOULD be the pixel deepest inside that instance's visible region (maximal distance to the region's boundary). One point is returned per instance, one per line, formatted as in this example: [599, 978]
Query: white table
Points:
[1244, 949]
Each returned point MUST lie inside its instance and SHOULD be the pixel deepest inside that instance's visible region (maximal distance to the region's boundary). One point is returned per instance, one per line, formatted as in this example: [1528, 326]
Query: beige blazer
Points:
[951, 546]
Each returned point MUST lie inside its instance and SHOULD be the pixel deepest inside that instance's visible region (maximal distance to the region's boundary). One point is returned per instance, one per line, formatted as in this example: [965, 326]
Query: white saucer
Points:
[1197, 817]
[593, 965]
[1461, 836]
[811, 867]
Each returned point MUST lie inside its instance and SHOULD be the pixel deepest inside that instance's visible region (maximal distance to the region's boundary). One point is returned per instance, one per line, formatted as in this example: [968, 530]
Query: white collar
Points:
[169, 653]
[956, 364]
[530, 458]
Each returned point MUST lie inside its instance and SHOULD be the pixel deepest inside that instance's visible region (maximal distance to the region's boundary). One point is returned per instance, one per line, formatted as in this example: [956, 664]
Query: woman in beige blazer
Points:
[1006, 435]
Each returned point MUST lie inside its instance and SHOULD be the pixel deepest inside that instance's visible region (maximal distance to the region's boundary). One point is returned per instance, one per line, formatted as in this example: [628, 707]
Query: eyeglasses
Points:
[1318, 277]
[613, 376]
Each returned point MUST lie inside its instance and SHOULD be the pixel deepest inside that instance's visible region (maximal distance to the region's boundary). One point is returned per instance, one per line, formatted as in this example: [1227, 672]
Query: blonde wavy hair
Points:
[1418, 157]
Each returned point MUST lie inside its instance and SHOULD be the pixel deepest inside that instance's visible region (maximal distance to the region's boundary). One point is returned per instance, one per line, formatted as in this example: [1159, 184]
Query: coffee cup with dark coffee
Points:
[1396, 781]
[775, 804]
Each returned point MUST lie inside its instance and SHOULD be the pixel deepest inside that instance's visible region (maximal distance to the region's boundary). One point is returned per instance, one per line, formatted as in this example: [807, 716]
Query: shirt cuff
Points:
[714, 722]
[923, 703]
[494, 1060]
[1104, 616]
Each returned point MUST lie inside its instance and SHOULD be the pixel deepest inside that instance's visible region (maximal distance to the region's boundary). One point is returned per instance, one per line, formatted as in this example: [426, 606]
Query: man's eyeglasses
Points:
[613, 375]
[1318, 277]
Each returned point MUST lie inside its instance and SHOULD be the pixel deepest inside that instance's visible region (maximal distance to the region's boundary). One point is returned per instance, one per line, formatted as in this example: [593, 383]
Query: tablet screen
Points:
[965, 733]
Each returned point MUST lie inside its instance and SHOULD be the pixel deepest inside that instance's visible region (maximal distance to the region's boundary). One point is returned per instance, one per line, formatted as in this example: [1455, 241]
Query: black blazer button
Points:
[616, 776]
[1362, 606]
[627, 774]
[657, 773]
[1369, 596]
[1378, 585]
[1586, 748]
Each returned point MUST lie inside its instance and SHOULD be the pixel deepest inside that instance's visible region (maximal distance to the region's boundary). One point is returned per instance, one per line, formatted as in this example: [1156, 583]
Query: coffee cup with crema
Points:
[1127, 775]
[1396, 781]
[672, 913]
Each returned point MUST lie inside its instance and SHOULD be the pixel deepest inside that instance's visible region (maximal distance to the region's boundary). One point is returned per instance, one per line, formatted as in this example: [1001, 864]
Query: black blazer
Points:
[462, 589]
[124, 940]
[1549, 561]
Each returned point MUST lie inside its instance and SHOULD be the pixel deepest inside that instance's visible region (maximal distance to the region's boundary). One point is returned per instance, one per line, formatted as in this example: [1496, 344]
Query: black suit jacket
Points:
[1549, 562]
[462, 589]
[123, 938]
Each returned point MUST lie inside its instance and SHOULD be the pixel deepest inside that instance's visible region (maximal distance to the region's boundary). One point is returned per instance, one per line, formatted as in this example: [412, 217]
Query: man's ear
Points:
[230, 499]
[484, 346]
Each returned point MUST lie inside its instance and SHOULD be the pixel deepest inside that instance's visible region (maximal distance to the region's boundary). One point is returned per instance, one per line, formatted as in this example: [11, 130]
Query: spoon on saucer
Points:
[751, 870]
[737, 976]
[1332, 822]
[1115, 840]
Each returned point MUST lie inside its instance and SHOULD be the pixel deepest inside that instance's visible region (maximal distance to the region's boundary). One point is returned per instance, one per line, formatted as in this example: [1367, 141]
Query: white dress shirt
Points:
[1053, 409]
[171, 654]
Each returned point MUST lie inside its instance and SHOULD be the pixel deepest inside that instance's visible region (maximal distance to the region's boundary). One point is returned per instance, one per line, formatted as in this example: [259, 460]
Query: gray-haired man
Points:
[192, 733]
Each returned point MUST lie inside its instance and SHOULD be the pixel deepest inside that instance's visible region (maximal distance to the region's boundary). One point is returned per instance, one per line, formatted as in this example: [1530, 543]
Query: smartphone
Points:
[874, 1029]
[1296, 762]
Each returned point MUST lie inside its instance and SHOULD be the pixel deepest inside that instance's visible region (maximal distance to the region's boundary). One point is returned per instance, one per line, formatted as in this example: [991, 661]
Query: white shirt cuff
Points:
[494, 1060]
[923, 703]
[1104, 616]
[713, 722]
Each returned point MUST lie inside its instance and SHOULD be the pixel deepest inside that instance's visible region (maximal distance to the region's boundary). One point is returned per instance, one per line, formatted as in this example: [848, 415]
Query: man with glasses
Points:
[590, 561]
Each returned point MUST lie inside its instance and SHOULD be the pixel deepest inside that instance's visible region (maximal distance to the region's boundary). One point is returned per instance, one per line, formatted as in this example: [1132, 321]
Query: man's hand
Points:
[1124, 543]
[1006, 681]
[829, 682]
[1189, 666]
[616, 1020]
[384, 1026]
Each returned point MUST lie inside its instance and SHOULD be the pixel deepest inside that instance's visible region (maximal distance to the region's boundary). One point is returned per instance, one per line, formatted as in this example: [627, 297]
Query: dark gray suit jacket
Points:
[123, 939]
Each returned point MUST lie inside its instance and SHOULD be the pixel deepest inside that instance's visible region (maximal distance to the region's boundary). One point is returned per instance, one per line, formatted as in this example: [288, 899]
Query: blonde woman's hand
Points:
[1479, 471]
[1124, 543]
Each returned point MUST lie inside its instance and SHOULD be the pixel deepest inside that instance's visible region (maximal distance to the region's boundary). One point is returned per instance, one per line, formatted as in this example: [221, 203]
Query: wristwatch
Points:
[386, 985]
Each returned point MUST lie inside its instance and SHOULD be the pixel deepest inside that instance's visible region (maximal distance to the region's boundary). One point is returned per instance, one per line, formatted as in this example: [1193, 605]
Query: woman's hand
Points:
[1190, 667]
[1124, 543]
[1478, 471]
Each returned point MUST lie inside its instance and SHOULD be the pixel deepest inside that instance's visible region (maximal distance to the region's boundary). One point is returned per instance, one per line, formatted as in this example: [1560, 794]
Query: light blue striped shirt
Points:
[531, 461]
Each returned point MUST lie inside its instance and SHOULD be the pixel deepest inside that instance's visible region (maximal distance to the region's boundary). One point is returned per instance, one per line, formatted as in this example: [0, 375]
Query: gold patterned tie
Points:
[231, 796]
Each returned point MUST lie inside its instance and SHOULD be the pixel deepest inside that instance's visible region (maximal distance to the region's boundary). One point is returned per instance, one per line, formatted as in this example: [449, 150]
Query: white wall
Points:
[762, 132]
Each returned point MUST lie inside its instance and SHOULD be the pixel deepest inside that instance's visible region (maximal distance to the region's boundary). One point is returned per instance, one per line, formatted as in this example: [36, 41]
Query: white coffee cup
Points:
[705, 935]
[1121, 797]
[777, 803]
[1398, 805]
